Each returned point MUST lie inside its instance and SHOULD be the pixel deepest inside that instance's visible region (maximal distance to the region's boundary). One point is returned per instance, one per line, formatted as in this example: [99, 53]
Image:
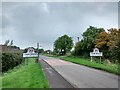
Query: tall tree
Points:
[102, 43]
[11, 43]
[86, 45]
[109, 43]
[7, 42]
[118, 46]
[63, 44]
[113, 36]
[114, 43]
[102, 40]
[89, 38]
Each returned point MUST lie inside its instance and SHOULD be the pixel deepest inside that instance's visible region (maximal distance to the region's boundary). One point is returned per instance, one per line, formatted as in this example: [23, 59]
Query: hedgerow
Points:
[10, 60]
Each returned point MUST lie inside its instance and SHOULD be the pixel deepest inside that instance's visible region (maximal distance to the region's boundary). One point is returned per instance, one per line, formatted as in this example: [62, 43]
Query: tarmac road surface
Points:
[54, 78]
[81, 76]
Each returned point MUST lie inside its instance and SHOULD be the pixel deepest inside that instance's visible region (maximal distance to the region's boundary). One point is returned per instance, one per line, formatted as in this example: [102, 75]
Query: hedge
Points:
[10, 60]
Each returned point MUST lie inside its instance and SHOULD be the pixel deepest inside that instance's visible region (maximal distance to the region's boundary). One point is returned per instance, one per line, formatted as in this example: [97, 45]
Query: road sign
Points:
[96, 52]
[30, 53]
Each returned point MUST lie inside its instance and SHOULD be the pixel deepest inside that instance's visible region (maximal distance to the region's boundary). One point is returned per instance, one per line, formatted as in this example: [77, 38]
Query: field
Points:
[25, 76]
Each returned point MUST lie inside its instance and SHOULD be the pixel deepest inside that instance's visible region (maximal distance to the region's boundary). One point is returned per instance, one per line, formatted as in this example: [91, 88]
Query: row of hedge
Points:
[10, 60]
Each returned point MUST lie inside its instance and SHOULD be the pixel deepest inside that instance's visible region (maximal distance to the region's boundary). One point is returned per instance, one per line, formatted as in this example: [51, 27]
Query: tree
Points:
[118, 46]
[113, 37]
[86, 45]
[113, 43]
[89, 37]
[102, 43]
[102, 40]
[63, 44]
[7, 42]
[11, 43]
[88, 41]
[109, 44]
[78, 49]
[41, 50]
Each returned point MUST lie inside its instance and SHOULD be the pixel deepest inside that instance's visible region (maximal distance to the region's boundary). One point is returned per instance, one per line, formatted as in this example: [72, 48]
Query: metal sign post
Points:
[38, 50]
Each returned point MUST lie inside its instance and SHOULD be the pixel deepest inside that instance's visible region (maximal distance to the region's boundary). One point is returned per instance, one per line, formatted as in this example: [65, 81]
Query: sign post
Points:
[91, 59]
[38, 51]
[96, 53]
[30, 53]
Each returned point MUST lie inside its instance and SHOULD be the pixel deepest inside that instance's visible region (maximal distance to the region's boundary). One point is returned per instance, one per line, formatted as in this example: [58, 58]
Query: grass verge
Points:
[112, 68]
[26, 76]
[0, 82]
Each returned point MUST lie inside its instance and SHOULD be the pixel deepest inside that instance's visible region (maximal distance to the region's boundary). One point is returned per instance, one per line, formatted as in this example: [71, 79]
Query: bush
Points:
[10, 60]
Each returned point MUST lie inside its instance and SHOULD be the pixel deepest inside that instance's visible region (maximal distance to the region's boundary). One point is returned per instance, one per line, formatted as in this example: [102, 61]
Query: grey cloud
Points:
[44, 22]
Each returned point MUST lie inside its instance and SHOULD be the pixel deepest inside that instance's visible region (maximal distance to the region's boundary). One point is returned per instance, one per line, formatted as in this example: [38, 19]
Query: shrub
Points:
[10, 60]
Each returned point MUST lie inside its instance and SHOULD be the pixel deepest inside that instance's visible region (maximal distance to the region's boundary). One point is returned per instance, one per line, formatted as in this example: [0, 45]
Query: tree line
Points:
[108, 42]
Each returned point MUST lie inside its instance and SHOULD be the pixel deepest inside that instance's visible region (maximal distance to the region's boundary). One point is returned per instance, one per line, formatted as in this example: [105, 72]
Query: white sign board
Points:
[96, 52]
[30, 53]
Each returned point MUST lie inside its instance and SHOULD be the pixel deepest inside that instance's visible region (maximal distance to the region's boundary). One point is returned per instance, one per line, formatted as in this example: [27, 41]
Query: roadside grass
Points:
[26, 76]
[0, 82]
[112, 68]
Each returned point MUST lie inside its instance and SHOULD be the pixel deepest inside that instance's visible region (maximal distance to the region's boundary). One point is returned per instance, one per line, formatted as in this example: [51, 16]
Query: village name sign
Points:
[30, 53]
[96, 53]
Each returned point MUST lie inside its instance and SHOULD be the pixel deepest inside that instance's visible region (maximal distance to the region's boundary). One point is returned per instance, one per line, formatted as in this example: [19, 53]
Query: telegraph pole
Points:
[78, 38]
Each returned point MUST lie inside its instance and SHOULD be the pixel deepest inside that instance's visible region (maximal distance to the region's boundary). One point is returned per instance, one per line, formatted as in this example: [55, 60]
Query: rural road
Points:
[54, 78]
[81, 76]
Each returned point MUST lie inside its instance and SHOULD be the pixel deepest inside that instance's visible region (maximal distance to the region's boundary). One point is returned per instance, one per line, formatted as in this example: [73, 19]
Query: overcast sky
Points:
[27, 23]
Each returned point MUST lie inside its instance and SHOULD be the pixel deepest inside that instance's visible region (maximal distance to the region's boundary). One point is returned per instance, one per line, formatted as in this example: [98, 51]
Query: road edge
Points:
[74, 86]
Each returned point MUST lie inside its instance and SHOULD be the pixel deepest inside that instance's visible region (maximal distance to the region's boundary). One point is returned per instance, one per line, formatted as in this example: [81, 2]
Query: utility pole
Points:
[78, 38]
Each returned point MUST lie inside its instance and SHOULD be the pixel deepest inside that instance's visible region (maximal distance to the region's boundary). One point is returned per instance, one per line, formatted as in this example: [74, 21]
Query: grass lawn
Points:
[112, 68]
[25, 76]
